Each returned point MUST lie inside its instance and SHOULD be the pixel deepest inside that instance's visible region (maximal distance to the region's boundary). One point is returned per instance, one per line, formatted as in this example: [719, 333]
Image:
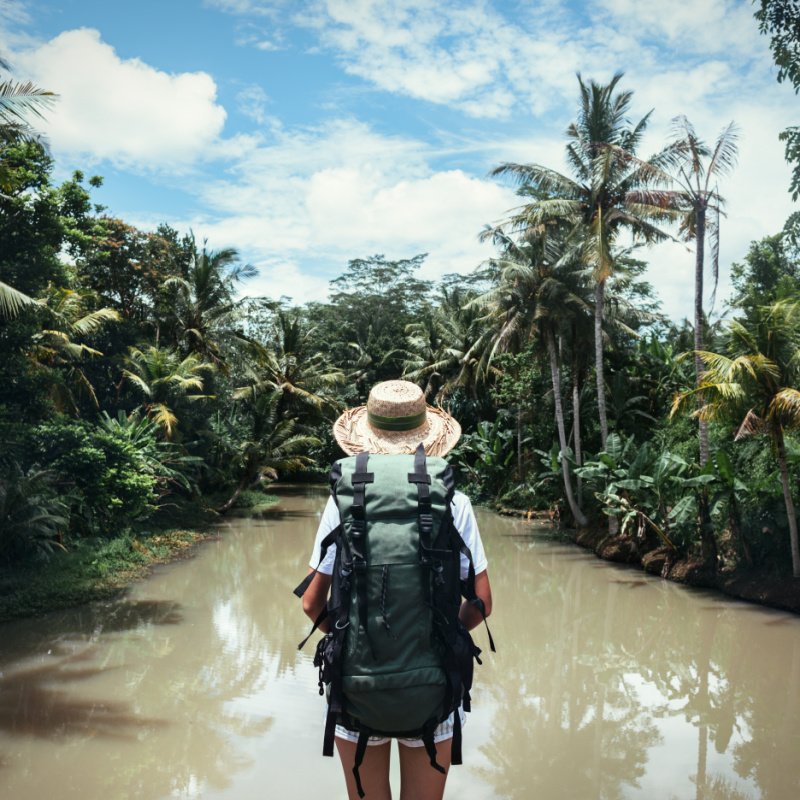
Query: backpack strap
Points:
[455, 742]
[468, 586]
[330, 732]
[423, 481]
[430, 745]
[358, 537]
[361, 749]
[330, 539]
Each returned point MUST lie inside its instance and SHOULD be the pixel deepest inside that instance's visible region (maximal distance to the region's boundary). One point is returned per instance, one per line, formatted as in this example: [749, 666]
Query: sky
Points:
[307, 133]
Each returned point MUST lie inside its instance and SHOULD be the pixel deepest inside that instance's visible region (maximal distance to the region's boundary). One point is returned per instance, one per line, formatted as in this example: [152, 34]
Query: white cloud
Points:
[689, 23]
[320, 197]
[123, 110]
[252, 101]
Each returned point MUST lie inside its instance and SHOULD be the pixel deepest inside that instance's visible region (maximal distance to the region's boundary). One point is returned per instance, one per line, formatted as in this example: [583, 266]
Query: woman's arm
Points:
[469, 615]
[316, 596]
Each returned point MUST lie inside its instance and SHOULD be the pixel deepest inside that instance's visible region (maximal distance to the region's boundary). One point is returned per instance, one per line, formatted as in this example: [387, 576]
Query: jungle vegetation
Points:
[139, 378]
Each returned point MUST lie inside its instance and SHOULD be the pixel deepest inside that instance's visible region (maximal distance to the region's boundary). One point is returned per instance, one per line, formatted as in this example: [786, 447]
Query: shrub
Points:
[99, 472]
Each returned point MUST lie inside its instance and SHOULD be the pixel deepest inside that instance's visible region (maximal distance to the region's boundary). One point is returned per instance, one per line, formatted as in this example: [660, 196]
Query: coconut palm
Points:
[612, 192]
[273, 445]
[12, 301]
[166, 381]
[289, 367]
[70, 317]
[535, 297]
[205, 301]
[696, 168]
[756, 386]
[18, 103]
[447, 347]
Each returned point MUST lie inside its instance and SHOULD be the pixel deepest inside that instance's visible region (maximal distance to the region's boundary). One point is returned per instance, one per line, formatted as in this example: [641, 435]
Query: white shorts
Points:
[443, 731]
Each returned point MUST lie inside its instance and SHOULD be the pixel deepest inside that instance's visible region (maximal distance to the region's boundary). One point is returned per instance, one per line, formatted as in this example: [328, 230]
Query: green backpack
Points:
[397, 661]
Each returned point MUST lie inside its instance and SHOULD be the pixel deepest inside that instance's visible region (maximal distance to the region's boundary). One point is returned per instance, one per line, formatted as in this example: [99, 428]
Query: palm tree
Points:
[58, 345]
[696, 168]
[12, 301]
[205, 300]
[756, 386]
[448, 346]
[612, 191]
[18, 103]
[165, 380]
[274, 445]
[288, 367]
[535, 297]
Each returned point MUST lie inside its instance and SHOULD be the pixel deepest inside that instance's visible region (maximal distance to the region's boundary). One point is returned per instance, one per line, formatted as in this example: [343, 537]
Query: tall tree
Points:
[535, 297]
[206, 300]
[696, 169]
[612, 191]
[20, 102]
[447, 346]
[364, 324]
[756, 385]
[780, 20]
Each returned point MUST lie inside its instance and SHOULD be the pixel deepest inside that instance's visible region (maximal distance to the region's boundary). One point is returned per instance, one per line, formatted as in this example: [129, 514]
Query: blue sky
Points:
[310, 133]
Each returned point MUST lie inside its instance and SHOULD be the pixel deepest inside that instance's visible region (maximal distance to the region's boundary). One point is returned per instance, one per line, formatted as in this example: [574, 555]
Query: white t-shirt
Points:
[463, 519]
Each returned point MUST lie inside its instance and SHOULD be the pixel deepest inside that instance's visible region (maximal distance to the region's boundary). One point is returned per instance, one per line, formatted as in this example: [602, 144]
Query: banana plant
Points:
[644, 488]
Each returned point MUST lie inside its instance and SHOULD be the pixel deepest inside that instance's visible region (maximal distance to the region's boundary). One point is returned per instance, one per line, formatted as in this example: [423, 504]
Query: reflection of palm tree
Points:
[567, 723]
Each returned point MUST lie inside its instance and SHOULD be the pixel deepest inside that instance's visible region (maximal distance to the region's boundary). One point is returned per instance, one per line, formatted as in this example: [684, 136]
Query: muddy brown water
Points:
[606, 683]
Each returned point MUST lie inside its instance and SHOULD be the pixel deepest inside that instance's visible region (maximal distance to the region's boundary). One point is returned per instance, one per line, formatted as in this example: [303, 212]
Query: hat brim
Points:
[438, 434]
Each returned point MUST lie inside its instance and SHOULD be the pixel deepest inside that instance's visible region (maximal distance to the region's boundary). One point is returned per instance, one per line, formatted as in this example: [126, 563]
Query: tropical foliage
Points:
[140, 378]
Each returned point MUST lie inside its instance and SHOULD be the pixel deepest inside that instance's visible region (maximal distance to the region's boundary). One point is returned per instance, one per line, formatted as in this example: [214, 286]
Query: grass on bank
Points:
[99, 569]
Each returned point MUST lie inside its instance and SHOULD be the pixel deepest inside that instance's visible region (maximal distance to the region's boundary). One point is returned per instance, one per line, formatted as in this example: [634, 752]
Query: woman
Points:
[395, 420]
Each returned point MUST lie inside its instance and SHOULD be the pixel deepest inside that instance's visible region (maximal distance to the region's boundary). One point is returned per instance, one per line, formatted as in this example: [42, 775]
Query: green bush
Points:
[100, 473]
[32, 516]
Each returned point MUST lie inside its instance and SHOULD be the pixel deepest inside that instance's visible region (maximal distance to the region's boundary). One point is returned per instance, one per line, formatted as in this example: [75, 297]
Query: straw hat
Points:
[396, 419]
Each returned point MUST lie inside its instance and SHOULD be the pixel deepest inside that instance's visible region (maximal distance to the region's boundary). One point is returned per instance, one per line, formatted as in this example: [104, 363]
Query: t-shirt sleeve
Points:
[467, 526]
[329, 520]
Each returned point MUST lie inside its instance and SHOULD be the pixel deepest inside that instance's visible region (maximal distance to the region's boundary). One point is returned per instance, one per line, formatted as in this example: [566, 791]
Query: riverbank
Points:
[100, 569]
[764, 587]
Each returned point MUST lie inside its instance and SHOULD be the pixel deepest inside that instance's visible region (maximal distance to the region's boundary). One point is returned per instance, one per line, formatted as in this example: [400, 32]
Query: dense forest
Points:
[138, 379]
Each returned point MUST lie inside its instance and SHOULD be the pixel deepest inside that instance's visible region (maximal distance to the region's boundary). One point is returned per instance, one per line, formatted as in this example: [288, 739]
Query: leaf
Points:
[683, 510]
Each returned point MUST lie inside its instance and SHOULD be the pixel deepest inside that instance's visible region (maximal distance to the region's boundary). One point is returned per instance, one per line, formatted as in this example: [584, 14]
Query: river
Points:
[607, 683]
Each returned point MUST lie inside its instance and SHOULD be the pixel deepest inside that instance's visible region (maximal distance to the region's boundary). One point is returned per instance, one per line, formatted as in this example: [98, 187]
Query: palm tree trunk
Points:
[787, 498]
[599, 301]
[250, 470]
[700, 242]
[555, 376]
[576, 418]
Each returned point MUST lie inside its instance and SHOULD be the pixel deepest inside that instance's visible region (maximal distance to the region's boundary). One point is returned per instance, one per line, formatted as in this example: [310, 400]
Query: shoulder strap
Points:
[358, 537]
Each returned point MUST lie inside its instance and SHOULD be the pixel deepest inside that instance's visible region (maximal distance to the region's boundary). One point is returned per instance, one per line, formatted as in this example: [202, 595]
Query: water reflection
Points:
[606, 684]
